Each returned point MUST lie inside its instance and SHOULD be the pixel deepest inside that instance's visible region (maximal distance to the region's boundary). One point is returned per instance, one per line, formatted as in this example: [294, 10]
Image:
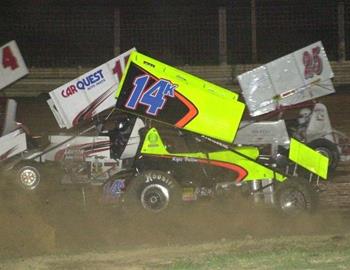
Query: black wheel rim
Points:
[293, 202]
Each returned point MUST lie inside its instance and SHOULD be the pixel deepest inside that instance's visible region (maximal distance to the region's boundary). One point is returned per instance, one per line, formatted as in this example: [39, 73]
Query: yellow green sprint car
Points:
[187, 150]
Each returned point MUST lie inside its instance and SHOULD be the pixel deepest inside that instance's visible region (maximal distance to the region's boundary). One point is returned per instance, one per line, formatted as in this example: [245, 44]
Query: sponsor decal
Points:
[184, 159]
[87, 83]
[154, 176]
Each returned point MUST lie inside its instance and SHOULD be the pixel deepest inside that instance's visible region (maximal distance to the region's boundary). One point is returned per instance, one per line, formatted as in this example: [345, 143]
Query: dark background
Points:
[83, 33]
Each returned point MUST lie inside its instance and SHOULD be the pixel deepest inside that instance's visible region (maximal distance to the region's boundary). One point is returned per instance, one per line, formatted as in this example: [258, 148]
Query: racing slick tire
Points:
[295, 196]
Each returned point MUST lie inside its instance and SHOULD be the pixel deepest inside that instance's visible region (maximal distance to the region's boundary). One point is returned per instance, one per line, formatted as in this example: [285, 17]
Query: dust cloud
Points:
[56, 220]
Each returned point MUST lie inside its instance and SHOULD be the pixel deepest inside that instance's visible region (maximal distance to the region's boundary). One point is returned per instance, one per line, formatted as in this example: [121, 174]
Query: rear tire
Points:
[295, 196]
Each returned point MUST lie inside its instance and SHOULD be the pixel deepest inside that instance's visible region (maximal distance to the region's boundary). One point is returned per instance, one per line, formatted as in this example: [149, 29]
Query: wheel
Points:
[28, 177]
[295, 196]
[153, 191]
[328, 149]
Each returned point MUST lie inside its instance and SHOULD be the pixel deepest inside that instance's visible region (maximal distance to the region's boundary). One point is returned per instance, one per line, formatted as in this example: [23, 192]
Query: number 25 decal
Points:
[8, 59]
[312, 62]
[154, 97]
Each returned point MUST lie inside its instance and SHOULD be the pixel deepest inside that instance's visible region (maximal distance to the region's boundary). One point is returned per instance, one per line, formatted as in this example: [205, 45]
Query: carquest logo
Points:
[87, 83]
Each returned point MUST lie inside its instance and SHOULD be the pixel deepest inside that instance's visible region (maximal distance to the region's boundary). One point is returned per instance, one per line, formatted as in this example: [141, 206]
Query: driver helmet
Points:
[123, 123]
[304, 115]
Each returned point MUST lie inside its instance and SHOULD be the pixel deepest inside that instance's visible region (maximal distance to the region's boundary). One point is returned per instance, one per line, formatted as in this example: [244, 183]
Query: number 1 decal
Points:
[8, 59]
[118, 67]
[154, 97]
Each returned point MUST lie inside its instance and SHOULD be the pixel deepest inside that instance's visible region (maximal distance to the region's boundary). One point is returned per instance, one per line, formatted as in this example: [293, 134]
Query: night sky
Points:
[83, 33]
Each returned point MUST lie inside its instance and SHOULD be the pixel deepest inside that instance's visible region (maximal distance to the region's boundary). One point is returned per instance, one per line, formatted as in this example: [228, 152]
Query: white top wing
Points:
[89, 94]
[297, 77]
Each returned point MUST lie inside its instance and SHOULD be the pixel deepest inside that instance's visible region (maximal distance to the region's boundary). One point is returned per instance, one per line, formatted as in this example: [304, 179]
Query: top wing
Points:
[89, 94]
[163, 93]
[295, 78]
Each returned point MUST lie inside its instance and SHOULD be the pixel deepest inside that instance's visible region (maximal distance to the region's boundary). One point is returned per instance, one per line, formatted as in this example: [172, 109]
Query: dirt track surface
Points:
[52, 229]
[59, 234]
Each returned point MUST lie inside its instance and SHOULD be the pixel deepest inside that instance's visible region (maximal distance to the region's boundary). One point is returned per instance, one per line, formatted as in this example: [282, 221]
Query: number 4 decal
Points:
[154, 97]
[8, 59]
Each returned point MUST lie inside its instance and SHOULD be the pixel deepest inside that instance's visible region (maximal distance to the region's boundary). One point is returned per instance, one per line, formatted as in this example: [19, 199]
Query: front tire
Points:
[295, 196]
